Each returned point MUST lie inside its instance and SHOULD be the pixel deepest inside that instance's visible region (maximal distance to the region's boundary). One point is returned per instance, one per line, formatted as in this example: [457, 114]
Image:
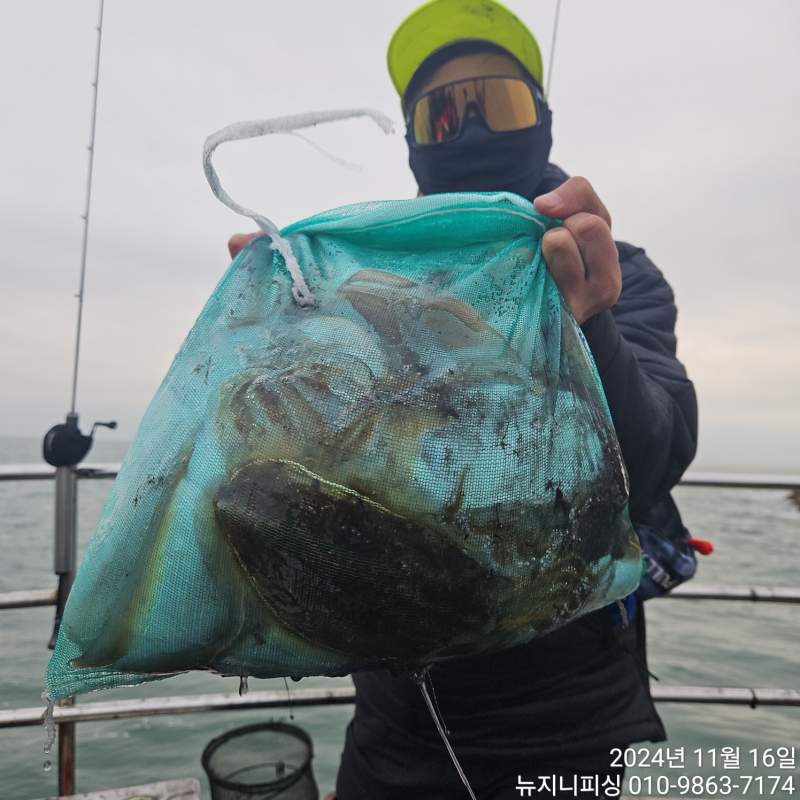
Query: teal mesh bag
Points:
[384, 443]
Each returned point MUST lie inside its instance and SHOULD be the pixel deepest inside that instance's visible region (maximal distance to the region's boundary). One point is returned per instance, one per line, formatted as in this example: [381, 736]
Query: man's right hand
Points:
[239, 241]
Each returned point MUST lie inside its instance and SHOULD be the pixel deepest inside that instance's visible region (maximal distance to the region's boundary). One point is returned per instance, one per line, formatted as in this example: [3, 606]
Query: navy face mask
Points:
[482, 160]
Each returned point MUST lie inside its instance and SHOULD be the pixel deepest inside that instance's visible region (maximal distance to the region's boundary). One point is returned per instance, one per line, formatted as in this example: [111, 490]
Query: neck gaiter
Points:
[481, 160]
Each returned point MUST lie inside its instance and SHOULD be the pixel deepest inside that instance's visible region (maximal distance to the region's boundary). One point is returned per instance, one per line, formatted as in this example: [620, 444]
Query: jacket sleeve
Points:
[652, 402]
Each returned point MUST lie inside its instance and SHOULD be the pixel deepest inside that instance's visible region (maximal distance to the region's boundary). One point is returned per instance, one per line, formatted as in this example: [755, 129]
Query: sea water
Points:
[756, 534]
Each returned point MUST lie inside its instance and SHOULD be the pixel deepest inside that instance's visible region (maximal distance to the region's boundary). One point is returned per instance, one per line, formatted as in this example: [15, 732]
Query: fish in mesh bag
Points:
[383, 444]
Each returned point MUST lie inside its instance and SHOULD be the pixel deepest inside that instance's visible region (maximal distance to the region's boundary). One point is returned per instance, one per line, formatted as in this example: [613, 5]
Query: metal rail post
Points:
[65, 565]
[66, 530]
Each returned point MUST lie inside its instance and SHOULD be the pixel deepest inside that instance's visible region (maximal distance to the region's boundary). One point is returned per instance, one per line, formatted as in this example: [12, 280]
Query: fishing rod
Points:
[64, 444]
[85, 217]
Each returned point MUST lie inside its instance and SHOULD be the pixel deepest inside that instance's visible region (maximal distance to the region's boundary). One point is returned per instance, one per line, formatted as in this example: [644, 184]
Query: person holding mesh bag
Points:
[470, 79]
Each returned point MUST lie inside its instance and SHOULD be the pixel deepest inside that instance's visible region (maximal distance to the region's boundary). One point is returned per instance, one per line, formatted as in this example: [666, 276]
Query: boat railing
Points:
[68, 713]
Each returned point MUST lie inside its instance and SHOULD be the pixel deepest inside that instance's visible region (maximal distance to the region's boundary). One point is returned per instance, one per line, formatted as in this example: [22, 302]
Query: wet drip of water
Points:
[49, 723]
[243, 687]
[47, 766]
[289, 696]
[419, 678]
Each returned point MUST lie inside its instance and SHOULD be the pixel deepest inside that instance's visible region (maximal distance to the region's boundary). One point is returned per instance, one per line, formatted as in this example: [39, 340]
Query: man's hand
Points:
[239, 241]
[581, 255]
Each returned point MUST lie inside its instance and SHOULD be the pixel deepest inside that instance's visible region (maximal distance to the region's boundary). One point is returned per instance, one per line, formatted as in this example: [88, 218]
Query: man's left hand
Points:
[581, 254]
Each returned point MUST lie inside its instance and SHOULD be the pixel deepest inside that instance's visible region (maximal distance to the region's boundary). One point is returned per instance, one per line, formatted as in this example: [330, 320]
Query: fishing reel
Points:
[64, 445]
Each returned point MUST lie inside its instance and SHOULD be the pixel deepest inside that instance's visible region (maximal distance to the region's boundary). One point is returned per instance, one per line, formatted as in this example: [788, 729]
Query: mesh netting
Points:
[267, 761]
[420, 465]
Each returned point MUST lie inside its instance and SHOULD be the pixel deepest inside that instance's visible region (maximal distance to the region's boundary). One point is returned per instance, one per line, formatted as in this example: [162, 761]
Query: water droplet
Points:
[48, 722]
[289, 696]
[243, 687]
[48, 765]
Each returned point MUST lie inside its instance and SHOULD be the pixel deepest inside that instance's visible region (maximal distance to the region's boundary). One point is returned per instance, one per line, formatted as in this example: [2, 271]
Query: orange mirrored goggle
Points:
[506, 104]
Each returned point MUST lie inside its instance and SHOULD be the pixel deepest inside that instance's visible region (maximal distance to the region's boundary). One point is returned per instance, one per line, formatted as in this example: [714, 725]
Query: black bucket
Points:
[268, 761]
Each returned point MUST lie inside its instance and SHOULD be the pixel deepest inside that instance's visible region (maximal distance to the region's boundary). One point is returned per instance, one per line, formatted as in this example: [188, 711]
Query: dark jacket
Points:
[570, 696]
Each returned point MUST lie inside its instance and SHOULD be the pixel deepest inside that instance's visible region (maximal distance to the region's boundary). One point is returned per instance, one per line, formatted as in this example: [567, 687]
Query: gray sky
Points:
[685, 116]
